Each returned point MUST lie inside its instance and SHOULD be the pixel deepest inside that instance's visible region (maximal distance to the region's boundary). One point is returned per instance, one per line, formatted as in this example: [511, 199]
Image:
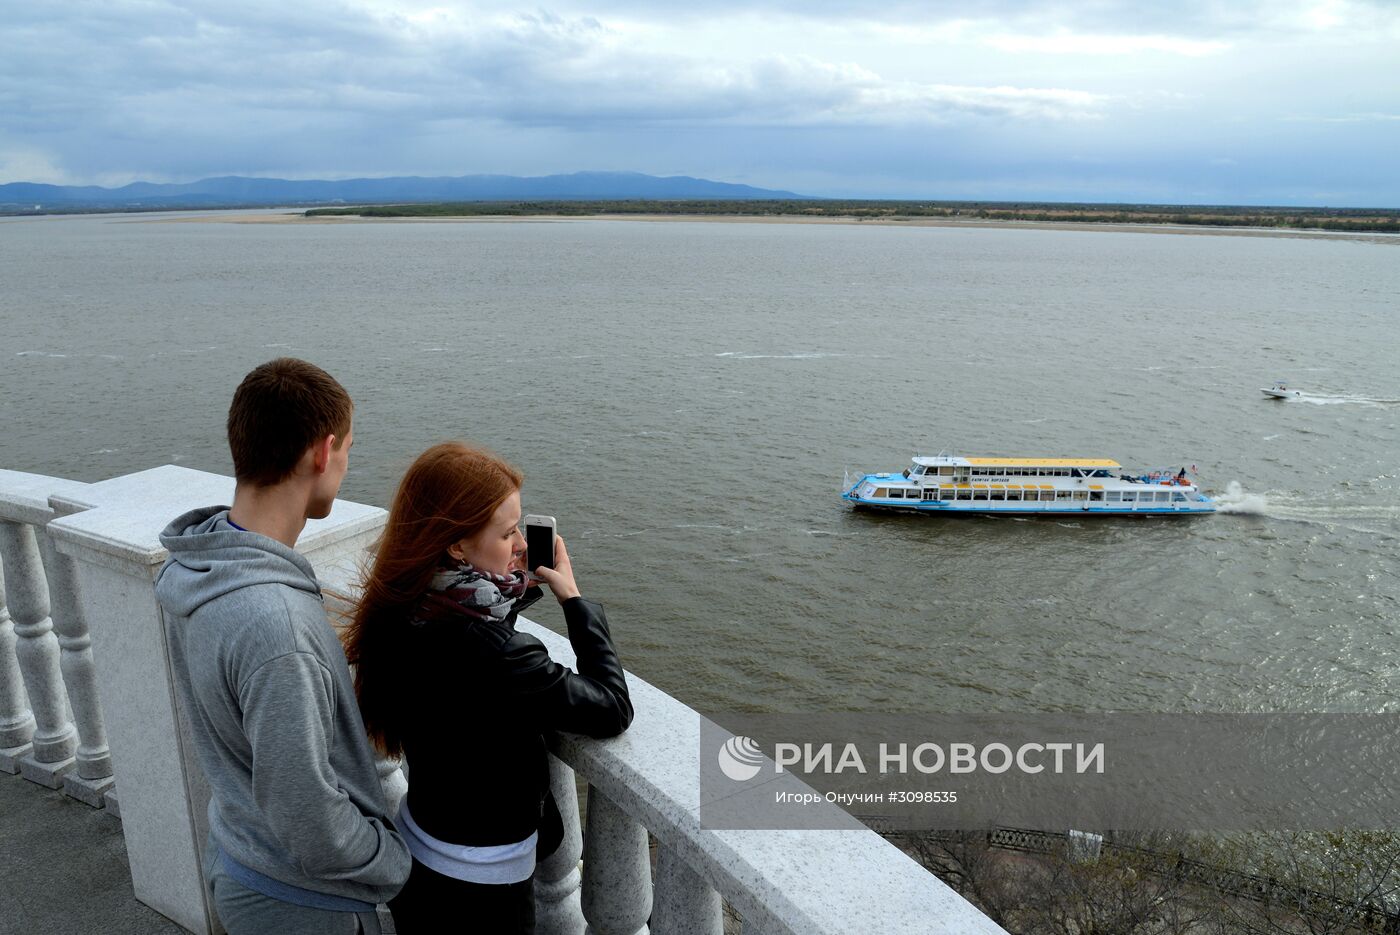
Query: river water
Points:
[685, 396]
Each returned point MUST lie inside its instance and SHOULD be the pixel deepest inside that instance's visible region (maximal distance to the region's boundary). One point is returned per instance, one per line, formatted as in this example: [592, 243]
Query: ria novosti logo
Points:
[740, 758]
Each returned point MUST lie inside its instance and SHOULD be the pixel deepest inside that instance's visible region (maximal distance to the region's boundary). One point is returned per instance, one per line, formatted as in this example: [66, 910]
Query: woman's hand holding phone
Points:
[560, 578]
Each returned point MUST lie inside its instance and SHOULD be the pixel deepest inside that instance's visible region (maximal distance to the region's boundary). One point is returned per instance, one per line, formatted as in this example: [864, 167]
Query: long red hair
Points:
[449, 493]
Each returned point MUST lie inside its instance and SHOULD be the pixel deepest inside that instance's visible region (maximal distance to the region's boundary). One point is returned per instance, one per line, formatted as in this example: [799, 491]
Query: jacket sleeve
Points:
[594, 701]
[289, 716]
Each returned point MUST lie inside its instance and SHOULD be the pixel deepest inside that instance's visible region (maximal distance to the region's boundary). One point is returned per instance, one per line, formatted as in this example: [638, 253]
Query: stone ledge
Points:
[88, 791]
[112, 804]
[117, 522]
[49, 775]
[24, 498]
[10, 757]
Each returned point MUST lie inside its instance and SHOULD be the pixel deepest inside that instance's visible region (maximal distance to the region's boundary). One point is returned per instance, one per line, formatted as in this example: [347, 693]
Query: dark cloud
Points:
[105, 91]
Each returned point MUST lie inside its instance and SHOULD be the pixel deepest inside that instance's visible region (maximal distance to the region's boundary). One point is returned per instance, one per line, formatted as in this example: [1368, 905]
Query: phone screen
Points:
[539, 546]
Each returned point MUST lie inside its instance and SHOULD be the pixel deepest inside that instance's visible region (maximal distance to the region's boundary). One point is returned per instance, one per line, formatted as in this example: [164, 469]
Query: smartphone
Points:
[539, 541]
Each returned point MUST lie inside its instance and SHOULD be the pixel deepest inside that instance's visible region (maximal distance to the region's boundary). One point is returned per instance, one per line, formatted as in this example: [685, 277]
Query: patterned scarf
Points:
[459, 590]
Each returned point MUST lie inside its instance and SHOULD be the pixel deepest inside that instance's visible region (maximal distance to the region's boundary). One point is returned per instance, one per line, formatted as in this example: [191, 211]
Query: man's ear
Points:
[321, 454]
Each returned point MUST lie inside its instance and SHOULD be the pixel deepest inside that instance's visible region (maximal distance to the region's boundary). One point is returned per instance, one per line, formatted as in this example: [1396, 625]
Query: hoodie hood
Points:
[210, 558]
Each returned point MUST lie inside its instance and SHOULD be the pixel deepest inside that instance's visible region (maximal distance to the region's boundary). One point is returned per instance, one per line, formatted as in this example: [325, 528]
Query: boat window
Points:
[1064, 494]
[1129, 496]
[946, 470]
[1179, 497]
[998, 494]
[1114, 495]
[979, 494]
[1096, 495]
[1013, 495]
[1081, 494]
[881, 492]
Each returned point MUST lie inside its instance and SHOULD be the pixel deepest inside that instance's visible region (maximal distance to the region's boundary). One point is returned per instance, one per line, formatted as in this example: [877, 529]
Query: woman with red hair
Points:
[444, 679]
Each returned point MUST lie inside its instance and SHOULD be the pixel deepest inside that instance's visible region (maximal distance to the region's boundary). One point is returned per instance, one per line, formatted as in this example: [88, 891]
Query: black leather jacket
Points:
[477, 712]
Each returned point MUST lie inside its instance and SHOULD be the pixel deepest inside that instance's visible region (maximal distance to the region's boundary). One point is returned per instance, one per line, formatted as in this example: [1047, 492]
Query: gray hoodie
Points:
[263, 682]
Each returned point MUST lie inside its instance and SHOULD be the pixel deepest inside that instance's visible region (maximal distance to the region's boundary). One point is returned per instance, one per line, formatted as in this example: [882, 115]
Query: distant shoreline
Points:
[300, 217]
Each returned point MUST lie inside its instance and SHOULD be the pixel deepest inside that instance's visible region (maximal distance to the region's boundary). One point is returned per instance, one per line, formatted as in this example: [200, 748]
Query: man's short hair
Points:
[282, 408]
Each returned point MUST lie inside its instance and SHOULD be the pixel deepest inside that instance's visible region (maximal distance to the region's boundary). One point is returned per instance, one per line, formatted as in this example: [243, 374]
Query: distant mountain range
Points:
[242, 191]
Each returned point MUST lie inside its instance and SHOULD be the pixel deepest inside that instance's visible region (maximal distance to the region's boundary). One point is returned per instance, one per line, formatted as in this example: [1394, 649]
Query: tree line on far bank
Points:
[1354, 220]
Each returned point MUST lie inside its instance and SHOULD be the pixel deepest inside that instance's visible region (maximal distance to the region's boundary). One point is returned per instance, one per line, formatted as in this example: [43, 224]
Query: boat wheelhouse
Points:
[946, 484]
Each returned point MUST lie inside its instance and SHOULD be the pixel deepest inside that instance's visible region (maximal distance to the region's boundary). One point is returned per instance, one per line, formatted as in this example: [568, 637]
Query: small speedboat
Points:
[1280, 390]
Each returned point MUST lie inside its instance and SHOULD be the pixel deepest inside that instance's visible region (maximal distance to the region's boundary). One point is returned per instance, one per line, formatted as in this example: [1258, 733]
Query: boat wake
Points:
[1324, 399]
[815, 355]
[1236, 500]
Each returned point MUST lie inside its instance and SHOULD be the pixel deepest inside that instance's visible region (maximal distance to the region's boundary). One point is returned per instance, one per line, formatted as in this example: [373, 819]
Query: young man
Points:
[300, 839]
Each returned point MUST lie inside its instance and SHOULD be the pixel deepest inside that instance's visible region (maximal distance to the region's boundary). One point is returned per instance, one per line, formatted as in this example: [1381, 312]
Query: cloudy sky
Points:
[1193, 101]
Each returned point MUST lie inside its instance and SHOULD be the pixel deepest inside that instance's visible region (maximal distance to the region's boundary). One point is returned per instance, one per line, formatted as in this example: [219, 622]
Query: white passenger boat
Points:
[946, 484]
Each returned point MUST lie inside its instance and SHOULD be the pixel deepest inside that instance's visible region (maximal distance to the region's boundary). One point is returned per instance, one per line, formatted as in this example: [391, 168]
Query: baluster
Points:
[616, 870]
[55, 739]
[94, 759]
[557, 879]
[685, 903]
[16, 721]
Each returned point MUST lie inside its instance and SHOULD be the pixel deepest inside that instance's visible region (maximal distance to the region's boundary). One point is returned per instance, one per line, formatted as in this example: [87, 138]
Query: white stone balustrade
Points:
[558, 882]
[16, 720]
[616, 870]
[780, 882]
[36, 648]
[25, 505]
[103, 559]
[685, 903]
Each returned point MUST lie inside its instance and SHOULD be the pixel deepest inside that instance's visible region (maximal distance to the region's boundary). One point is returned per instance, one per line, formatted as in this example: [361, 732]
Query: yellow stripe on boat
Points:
[1043, 462]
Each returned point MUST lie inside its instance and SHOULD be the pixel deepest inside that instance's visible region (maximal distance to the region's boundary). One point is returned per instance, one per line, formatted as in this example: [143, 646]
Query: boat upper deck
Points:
[955, 462]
